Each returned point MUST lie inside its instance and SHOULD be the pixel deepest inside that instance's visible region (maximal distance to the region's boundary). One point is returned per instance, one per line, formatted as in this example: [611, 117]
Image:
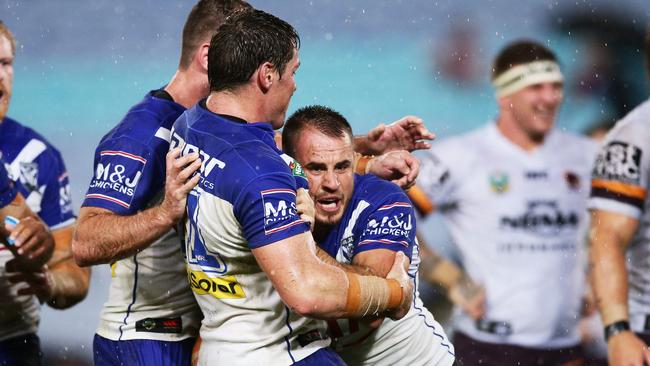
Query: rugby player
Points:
[364, 221]
[251, 259]
[128, 215]
[42, 180]
[620, 235]
[513, 194]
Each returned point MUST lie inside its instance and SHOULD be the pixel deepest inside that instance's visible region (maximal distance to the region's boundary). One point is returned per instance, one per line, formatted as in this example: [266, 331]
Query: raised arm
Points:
[103, 236]
[408, 133]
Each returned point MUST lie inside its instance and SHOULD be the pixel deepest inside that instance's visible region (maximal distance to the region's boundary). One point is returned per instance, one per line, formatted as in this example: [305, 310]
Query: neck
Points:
[239, 103]
[509, 128]
[187, 87]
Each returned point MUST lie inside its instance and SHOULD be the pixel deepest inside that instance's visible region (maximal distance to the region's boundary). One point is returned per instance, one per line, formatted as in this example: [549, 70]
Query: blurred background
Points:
[81, 64]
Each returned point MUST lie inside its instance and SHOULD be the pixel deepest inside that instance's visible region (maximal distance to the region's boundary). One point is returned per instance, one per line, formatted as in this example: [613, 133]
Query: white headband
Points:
[524, 75]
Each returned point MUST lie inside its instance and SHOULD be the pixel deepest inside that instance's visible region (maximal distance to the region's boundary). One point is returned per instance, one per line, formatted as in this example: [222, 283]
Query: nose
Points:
[331, 182]
[552, 94]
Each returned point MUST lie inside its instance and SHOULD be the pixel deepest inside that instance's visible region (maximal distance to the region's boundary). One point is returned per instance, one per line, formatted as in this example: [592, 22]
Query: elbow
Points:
[83, 257]
[308, 306]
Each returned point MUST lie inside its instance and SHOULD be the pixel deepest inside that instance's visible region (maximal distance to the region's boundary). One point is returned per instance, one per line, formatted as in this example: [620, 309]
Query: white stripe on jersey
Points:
[29, 153]
[164, 134]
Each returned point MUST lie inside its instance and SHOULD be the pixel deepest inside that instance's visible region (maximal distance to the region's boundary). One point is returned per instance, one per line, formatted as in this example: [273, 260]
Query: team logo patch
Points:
[279, 210]
[29, 175]
[116, 177]
[499, 182]
[619, 161]
[296, 169]
[572, 180]
[225, 287]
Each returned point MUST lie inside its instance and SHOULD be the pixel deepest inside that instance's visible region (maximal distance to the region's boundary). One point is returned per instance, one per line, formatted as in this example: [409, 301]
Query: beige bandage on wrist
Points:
[362, 164]
[370, 295]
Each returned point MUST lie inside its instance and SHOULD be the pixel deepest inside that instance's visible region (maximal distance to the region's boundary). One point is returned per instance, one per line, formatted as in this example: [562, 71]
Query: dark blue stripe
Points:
[286, 338]
[135, 286]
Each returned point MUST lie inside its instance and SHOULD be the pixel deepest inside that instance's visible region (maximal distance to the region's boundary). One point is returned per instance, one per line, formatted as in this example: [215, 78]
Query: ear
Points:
[266, 76]
[201, 56]
[505, 103]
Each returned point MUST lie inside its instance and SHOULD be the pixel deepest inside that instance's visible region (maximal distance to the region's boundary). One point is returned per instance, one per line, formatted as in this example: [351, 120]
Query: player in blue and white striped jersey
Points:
[363, 221]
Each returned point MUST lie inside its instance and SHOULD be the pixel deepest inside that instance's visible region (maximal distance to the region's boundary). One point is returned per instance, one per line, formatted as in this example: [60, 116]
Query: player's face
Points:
[328, 163]
[6, 75]
[286, 86]
[534, 108]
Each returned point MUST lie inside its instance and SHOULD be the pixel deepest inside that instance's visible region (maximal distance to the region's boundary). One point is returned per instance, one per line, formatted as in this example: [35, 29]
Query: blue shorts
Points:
[142, 352]
[322, 357]
[24, 350]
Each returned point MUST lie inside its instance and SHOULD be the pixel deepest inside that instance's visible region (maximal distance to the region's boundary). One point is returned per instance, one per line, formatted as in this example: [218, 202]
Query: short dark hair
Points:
[4, 31]
[518, 53]
[204, 19]
[244, 42]
[325, 120]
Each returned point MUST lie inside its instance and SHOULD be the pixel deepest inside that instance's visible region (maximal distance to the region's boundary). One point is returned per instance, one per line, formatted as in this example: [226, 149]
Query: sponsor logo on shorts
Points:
[619, 161]
[159, 325]
[225, 287]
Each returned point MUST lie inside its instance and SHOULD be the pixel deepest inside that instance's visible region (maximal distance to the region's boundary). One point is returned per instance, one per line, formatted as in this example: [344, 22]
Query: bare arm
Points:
[609, 237]
[315, 289]
[103, 236]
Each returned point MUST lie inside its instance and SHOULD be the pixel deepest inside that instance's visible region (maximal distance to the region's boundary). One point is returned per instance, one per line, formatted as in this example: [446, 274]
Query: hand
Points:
[399, 166]
[398, 272]
[305, 207]
[178, 183]
[39, 283]
[626, 349]
[408, 133]
[33, 243]
[469, 296]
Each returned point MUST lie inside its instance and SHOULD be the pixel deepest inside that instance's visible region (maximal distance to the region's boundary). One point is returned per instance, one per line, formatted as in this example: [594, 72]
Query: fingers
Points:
[171, 158]
[415, 125]
[376, 132]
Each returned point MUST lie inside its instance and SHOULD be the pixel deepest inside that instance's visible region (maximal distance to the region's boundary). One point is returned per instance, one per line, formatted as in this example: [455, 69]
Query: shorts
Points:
[472, 352]
[322, 357]
[23, 350]
[142, 352]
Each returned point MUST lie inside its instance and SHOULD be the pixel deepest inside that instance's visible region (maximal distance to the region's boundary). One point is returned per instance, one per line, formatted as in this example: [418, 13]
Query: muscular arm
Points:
[68, 282]
[103, 236]
[609, 236]
[408, 133]
[313, 288]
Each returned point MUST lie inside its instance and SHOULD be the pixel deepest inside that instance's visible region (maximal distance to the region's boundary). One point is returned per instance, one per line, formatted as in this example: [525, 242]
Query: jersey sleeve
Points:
[391, 226]
[436, 183]
[127, 175]
[8, 188]
[620, 174]
[266, 210]
[53, 186]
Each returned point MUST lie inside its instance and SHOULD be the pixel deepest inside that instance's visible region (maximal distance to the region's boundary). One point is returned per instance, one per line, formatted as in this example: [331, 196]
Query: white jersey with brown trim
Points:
[518, 219]
[620, 182]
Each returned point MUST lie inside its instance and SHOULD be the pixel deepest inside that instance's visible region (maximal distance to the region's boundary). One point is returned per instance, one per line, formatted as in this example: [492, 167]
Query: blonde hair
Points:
[4, 31]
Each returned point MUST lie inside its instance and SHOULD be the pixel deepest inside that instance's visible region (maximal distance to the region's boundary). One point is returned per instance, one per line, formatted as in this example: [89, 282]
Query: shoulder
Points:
[574, 145]
[29, 144]
[378, 192]
[634, 127]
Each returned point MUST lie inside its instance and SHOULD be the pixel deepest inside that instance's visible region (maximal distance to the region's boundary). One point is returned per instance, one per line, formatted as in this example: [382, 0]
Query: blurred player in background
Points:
[42, 180]
[513, 194]
[363, 221]
[620, 236]
[252, 261]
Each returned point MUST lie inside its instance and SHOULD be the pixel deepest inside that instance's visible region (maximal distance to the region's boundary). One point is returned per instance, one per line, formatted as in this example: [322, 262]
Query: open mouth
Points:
[329, 204]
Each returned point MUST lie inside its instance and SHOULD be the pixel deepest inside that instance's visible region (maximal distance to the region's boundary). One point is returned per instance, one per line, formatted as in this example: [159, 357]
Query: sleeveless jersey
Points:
[245, 200]
[620, 182]
[148, 297]
[519, 220]
[380, 216]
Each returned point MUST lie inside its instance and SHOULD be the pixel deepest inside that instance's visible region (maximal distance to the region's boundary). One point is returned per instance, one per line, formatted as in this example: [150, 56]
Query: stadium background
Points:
[81, 64]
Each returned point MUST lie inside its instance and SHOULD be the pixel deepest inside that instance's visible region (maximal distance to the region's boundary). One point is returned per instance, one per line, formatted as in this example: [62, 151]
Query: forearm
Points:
[106, 237]
[362, 146]
[608, 276]
[352, 268]
[69, 284]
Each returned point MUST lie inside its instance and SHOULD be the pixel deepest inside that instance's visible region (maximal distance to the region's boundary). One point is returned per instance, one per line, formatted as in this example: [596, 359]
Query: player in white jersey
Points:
[620, 236]
[251, 260]
[363, 221]
[513, 194]
[41, 179]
